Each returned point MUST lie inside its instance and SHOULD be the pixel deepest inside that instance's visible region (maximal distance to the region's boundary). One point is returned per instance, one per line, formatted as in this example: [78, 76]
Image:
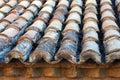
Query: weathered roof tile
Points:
[90, 52]
[54, 30]
[74, 17]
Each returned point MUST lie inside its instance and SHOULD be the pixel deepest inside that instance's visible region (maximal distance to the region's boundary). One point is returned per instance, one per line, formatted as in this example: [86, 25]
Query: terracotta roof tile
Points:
[90, 8]
[111, 40]
[71, 36]
[54, 24]
[106, 15]
[106, 7]
[67, 50]
[15, 13]
[9, 32]
[105, 2]
[90, 52]
[24, 3]
[54, 30]
[90, 17]
[7, 8]
[111, 34]
[74, 17]
[109, 24]
[90, 25]
[2, 2]
[76, 9]
[38, 25]
[90, 35]
[76, 3]
[63, 3]
[72, 26]
[89, 2]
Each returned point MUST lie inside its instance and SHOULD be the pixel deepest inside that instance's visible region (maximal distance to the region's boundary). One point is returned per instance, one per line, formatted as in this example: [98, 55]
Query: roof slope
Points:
[53, 30]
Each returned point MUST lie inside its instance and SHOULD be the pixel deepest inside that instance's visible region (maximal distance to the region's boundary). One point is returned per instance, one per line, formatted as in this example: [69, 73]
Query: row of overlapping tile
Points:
[7, 8]
[14, 14]
[51, 30]
[15, 28]
[111, 33]
[33, 32]
[2, 2]
[90, 46]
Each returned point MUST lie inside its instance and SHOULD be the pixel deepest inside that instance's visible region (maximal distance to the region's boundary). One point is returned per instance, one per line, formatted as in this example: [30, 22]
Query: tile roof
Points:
[53, 30]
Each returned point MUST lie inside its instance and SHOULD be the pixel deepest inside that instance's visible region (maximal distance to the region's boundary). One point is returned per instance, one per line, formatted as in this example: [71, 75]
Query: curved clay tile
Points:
[47, 45]
[20, 22]
[106, 7]
[113, 50]
[91, 2]
[50, 3]
[48, 9]
[90, 8]
[3, 24]
[54, 24]
[109, 34]
[28, 15]
[68, 47]
[90, 52]
[76, 9]
[45, 50]
[5, 9]
[107, 15]
[11, 17]
[4, 41]
[25, 41]
[39, 24]
[2, 2]
[52, 36]
[9, 32]
[68, 51]
[74, 17]
[63, 3]
[112, 57]
[31, 35]
[44, 16]
[17, 24]
[90, 17]
[70, 36]
[20, 51]
[90, 25]
[17, 11]
[72, 26]
[38, 3]
[12, 3]
[24, 3]
[90, 35]
[105, 2]
[12, 26]
[59, 15]
[62, 9]
[76, 3]
[109, 24]
[112, 45]
[33, 9]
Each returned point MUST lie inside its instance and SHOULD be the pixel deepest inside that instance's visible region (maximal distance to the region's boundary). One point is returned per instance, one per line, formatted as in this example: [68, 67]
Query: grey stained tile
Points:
[54, 30]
